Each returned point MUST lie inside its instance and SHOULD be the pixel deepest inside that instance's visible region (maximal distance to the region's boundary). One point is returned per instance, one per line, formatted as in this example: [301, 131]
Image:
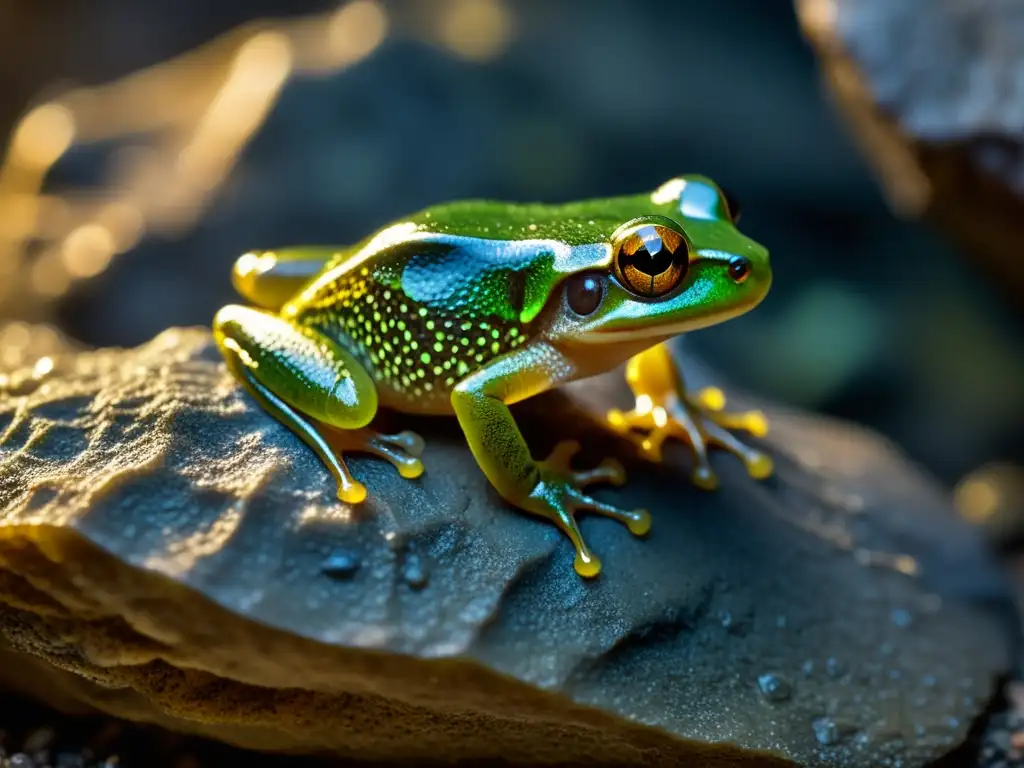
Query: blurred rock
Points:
[934, 91]
[170, 554]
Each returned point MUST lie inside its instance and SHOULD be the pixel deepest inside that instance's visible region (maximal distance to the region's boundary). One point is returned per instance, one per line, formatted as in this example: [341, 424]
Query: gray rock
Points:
[935, 91]
[165, 548]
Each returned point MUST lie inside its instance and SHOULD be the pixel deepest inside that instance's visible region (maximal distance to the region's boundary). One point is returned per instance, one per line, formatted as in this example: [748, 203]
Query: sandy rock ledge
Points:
[170, 554]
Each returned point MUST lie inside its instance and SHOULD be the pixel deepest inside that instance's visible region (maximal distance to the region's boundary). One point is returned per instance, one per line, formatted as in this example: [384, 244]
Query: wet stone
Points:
[196, 571]
[946, 145]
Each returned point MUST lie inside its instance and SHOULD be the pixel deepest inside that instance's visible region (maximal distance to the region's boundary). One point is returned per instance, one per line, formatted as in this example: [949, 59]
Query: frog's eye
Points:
[651, 259]
[584, 292]
[732, 204]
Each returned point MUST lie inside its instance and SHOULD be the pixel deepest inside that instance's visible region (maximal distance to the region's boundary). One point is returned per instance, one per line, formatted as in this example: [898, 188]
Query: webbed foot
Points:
[558, 496]
[402, 450]
[702, 423]
[664, 409]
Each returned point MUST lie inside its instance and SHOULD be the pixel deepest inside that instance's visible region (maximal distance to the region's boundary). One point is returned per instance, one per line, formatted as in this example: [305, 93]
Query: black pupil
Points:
[585, 293]
[652, 258]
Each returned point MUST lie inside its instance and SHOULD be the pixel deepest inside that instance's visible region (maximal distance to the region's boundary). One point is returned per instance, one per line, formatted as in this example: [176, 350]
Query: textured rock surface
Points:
[935, 92]
[170, 554]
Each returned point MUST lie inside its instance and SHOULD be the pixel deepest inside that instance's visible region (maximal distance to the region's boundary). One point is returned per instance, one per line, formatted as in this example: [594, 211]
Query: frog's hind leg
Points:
[269, 279]
[302, 377]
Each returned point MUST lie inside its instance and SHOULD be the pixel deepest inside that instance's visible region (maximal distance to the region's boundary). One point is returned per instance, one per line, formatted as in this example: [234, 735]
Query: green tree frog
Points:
[469, 307]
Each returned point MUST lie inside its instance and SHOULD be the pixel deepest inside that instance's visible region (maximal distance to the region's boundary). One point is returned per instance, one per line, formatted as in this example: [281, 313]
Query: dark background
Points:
[870, 318]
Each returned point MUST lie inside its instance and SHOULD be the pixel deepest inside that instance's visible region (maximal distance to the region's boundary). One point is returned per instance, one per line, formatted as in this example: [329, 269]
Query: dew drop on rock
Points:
[414, 573]
[901, 617]
[826, 731]
[341, 564]
[834, 667]
[774, 688]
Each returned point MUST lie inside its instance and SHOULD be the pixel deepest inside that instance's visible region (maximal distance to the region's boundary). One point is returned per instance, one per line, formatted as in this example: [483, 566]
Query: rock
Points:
[170, 554]
[934, 92]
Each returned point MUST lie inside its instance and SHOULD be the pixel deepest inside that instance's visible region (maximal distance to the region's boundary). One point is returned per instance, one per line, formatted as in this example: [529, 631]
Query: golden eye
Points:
[651, 259]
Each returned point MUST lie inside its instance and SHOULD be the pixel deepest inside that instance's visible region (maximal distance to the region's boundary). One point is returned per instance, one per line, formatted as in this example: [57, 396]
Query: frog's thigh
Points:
[287, 368]
[305, 369]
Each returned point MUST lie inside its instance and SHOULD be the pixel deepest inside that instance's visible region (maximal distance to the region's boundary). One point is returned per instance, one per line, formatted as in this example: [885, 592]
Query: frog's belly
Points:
[433, 402]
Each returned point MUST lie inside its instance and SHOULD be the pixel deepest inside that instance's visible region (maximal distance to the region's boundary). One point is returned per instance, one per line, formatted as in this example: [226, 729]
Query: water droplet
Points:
[340, 564]
[808, 668]
[901, 617]
[780, 621]
[834, 667]
[929, 681]
[773, 687]
[414, 573]
[826, 731]
[726, 619]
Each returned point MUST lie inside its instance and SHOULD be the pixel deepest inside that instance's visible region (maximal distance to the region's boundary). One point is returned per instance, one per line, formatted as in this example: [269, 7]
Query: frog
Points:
[467, 308]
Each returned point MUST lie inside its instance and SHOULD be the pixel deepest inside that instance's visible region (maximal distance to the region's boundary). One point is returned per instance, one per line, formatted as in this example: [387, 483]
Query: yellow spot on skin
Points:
[438, 370]
[425, 358]
[495, 347]
[438, 346]
[463, 369]
[423, 311]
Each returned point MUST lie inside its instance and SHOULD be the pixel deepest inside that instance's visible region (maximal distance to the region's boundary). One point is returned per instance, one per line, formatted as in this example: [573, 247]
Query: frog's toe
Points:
[394, 449]
[638, 521]
[353, 492]
[708, 399]
[400, 450]
[704, 477]
[759, 465]
[753, 422]
[410, 442]
[587, 564]
[608, 471]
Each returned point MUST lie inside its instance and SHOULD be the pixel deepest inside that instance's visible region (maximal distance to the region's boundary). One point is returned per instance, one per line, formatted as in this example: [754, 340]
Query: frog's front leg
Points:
[548, 488]
[299, 375]
[665, 409]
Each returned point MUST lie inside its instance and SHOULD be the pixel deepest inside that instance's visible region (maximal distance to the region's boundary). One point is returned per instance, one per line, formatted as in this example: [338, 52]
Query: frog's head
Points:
[676, 263]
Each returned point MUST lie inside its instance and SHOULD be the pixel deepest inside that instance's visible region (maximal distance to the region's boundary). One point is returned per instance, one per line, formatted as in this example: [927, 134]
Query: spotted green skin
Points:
[460, 309]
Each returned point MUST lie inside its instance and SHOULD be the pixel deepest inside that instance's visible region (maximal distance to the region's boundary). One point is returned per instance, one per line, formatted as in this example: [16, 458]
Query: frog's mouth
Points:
[656, 332]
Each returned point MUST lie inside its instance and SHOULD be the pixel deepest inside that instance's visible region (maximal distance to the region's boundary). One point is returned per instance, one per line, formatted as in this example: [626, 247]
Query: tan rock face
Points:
[169, 553]
[934, 92]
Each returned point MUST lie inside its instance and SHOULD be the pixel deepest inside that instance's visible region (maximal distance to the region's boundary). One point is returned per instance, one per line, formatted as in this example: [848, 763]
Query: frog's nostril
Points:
[739, 268]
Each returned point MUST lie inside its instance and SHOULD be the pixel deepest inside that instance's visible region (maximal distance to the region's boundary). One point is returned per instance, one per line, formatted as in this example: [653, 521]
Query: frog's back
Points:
[422, 309]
